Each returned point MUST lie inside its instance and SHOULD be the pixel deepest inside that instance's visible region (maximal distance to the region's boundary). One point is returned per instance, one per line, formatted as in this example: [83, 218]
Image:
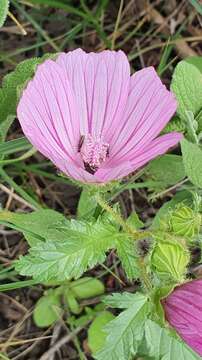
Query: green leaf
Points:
[4, 129]
[87, 287]
[187, 86]
[13, 146]
[123, 300]
[125, 332]
[195, 60]
[13, 84]
[72, 303]
[127, 253]
[192, 159]
[170, 259]
[167, 170]
[134, 221]
[163, 346]
[3, 11]
[96, 334]
[176, 124]
[47, 310]
[37, 226]
[158, 294]
[86, 206]
[83, 246]
[197, 5]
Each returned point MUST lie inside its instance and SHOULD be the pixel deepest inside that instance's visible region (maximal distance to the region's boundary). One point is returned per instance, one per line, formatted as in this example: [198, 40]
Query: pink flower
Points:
[183, 309]
[93, 120]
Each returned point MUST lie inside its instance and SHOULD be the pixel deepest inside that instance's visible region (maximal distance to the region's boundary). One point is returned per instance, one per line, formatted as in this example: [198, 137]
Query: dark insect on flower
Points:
[93, 120]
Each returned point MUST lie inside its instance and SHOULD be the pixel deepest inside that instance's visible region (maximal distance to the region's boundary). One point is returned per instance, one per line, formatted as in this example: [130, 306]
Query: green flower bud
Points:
[169, 260]
[185, 222]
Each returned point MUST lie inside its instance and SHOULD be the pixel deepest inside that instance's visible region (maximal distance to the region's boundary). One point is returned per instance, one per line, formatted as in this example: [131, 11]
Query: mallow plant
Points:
[108, 130]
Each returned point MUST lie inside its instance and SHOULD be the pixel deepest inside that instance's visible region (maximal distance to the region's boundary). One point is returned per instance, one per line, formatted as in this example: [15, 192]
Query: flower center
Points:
[94, 152]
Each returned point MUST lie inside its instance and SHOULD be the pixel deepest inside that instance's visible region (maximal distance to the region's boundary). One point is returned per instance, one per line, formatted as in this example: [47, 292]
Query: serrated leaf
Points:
[192, 159]
[4, 6]
[37, 226]
[83, 246]
[187, 87]
[163, 346]
[96, 334]
[125, 332]
[127, 253]
[169, 260]
[123, 300]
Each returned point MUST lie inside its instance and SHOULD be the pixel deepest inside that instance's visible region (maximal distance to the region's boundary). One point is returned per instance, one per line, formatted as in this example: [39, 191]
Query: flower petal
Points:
[149, 108]
[157, 147]
[47, 111]
[100, 83]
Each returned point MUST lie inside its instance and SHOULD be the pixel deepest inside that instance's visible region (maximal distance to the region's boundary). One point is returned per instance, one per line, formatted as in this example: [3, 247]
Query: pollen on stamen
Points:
[94, 152]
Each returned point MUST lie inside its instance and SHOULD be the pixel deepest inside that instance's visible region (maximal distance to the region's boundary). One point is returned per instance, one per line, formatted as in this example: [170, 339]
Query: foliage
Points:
[47, 310]
[125, 332]
[62, 249]
[3, 11]
[12, 86]
[163, 345]
[82, 246]
[96, 334]
[187, 86]
[167, 170]
[192, 157]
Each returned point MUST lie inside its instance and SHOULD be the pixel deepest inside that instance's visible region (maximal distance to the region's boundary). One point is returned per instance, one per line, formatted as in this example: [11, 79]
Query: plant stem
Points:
[136, 235]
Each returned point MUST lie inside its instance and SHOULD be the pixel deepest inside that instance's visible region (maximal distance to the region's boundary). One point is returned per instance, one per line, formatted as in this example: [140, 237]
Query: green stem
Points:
[136, 235]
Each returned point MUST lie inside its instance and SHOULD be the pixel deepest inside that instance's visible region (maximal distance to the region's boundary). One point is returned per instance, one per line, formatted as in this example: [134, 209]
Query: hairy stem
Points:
[136, 235]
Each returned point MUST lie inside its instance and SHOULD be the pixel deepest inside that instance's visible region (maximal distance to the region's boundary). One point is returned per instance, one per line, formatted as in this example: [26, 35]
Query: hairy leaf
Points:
[37, 226]
[96, 334]
[126, 249]
[125, 332]
[4, 6]
[163, 346]
[192, 158]
[86, 206]
[12, 86]
[83, 246]
[134, 221]
[123, 300]
[187, 86]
